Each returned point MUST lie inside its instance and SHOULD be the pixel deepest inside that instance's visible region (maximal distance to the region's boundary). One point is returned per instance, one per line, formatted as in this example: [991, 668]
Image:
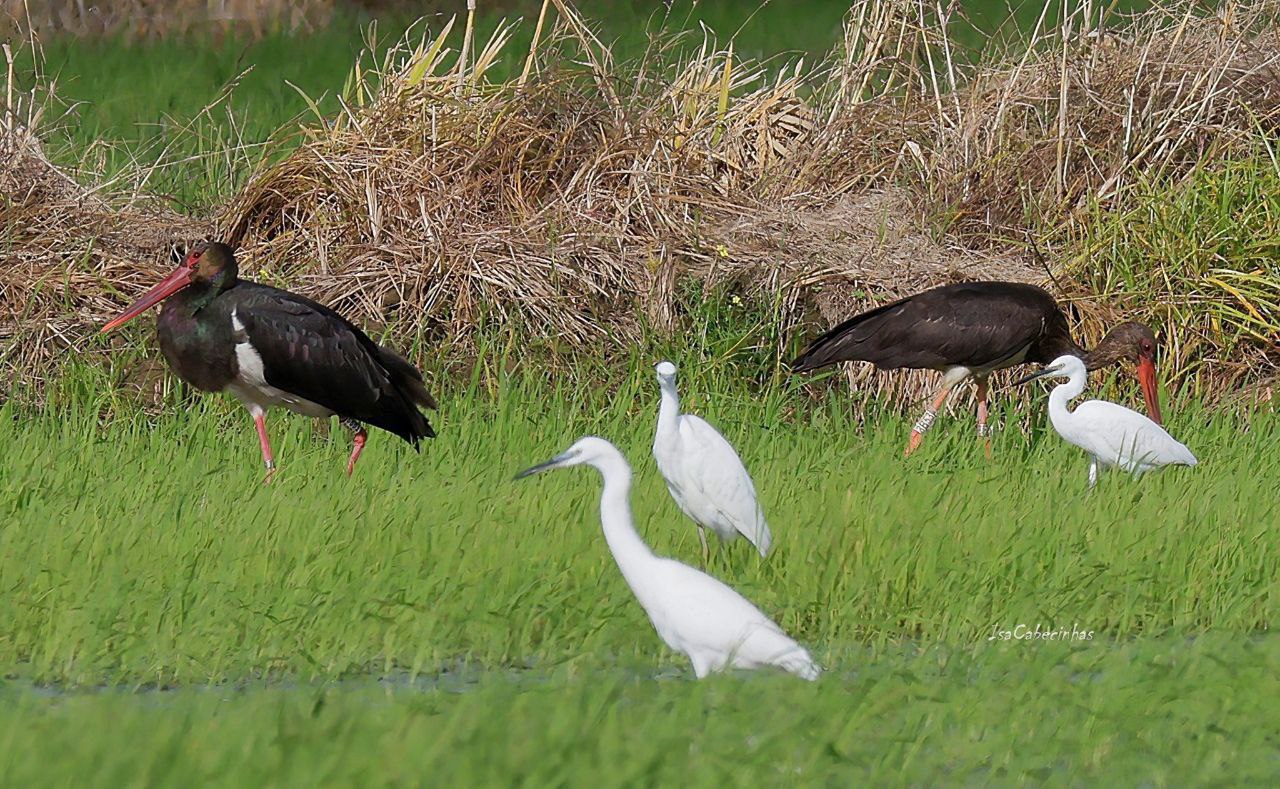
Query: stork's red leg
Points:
[260, 422]
[926, 419]
[984, 431]
[357, 446]
[357, 442]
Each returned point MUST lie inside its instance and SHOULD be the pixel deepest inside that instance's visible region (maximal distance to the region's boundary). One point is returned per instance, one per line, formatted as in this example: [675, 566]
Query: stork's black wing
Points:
[971, 324]
[313, 352]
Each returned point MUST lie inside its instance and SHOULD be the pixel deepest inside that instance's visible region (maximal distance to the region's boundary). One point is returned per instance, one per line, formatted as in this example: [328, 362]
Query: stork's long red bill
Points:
[1147, 377]
[168, 286]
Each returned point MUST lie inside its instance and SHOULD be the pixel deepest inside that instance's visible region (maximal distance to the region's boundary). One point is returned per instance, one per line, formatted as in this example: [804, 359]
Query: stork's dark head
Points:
[209, 266]
[1130, 341]
[212, 264]
[1136, 343]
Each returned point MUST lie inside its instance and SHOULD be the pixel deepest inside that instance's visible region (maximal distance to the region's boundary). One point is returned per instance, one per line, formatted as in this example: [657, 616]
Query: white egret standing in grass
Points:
[1111, 434]
[704, 473]
[693, 613]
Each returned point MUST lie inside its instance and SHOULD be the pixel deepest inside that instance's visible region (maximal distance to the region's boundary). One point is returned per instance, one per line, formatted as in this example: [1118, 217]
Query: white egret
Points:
[704, 473]
[1111, 434]
[694, 614]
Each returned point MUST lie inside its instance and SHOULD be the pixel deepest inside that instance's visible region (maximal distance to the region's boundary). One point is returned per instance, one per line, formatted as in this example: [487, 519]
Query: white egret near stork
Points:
[704, 473]
[969, 330]
[1111, 434]
[694, 614]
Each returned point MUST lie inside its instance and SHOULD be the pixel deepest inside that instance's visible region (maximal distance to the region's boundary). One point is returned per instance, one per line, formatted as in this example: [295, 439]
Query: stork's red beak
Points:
[1147, 377]
[168, 286]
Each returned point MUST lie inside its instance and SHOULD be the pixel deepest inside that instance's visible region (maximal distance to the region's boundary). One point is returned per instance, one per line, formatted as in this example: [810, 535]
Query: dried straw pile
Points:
[68, 254]
[570, 202]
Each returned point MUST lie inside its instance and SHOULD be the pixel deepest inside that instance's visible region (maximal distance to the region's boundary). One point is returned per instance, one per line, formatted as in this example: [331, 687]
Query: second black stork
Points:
[969, 330]
[269, 347]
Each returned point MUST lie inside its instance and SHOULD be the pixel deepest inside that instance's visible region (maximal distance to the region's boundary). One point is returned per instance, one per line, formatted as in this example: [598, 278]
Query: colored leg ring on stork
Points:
[925, 422]
[268, 459]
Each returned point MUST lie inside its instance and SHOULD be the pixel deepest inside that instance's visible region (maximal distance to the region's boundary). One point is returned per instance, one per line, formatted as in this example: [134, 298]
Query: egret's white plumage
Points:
[1111, 434]
[704, 473]
[693, 613]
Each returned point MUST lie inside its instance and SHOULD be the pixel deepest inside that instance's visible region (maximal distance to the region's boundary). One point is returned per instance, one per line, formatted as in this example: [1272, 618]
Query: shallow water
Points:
[1154, 711]
[849, 664]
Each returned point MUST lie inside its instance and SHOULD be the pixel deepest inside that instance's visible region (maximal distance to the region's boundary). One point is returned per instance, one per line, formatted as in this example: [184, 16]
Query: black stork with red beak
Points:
[270, 347]
[969, 330]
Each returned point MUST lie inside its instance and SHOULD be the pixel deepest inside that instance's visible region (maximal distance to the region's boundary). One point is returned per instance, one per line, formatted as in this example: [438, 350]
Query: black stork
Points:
[270, 347]
[971, 329]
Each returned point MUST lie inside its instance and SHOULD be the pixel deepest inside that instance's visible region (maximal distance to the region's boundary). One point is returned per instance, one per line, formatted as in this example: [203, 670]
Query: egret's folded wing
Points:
[715, 469]
[706, 612]
[1119, 432]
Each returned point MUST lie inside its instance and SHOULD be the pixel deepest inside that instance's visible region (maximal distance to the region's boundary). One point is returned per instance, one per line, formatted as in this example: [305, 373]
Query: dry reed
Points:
[569, 202]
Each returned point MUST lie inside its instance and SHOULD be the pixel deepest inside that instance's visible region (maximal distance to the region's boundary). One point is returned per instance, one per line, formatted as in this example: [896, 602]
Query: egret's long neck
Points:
[1061, 397]
[628, 549]
[669, 408]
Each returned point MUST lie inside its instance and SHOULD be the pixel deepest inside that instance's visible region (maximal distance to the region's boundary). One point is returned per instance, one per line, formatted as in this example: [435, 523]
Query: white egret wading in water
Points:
[693, 613]
[704, 474]
[1111, 434]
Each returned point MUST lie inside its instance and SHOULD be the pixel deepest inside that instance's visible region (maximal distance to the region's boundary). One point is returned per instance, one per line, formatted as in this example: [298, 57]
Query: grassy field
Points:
[1166, 712]
[147, 555]
[425, 560]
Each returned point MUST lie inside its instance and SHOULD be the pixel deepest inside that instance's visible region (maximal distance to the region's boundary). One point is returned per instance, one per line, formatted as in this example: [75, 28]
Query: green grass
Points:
[151, 553]
[147, 554]
[1153, 713]
[1205, 250]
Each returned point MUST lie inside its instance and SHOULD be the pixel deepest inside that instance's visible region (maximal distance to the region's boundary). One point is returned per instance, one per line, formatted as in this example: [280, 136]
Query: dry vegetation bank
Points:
[572, 201]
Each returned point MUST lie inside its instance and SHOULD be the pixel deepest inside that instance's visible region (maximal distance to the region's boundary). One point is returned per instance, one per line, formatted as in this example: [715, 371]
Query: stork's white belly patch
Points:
[251, 387]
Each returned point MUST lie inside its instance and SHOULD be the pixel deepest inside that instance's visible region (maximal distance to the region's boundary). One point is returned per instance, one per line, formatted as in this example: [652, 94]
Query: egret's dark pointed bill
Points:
[1034, 376]
[541, 467]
